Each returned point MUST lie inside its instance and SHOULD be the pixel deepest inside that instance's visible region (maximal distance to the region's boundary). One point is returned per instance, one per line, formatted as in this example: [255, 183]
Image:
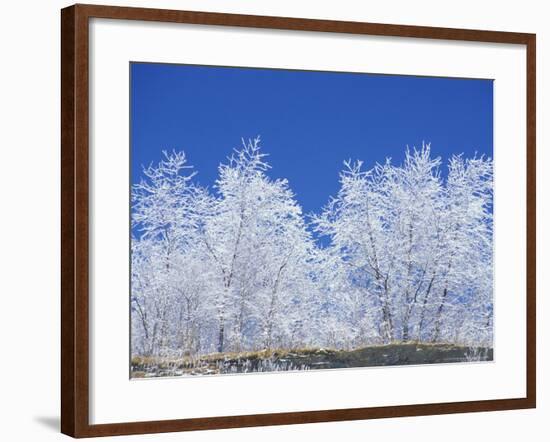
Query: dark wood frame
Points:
[74, 220]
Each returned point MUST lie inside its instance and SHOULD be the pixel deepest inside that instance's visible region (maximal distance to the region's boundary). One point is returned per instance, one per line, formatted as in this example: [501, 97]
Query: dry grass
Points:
[395, 353]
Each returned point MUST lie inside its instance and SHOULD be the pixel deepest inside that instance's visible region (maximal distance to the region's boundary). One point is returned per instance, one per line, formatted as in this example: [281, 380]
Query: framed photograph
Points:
[272, 221]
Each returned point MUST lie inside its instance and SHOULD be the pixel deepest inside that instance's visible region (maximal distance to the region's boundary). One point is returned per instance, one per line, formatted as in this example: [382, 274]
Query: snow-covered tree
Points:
[238, 267]
[416, 246]
[258, 243]
[166, 211]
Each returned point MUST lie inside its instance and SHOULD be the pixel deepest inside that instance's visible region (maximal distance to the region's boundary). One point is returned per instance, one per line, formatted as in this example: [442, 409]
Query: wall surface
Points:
[29, 217]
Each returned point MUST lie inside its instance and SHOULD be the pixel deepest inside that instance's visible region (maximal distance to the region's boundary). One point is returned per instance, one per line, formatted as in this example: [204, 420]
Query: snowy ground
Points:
[308, 359]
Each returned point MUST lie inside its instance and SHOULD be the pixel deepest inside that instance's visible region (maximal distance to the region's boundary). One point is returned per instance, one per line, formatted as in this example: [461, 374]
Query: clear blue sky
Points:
[309, 122]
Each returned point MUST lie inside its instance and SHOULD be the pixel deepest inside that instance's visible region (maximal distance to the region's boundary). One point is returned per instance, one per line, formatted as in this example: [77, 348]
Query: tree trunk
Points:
[405, 333]
[423, 311]
[221, 332]
[437, 331]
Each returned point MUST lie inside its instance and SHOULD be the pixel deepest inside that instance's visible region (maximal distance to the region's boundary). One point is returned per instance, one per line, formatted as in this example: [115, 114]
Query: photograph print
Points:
[287, 220]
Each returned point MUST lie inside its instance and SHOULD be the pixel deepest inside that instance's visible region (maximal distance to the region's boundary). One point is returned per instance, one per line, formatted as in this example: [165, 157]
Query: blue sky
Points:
[309, 122]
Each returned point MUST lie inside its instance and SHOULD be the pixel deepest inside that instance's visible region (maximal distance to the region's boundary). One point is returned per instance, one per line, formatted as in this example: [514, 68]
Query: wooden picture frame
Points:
[75, 130]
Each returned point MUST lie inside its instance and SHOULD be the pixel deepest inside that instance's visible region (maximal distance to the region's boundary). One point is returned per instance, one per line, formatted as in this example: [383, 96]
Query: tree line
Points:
[239, 267]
